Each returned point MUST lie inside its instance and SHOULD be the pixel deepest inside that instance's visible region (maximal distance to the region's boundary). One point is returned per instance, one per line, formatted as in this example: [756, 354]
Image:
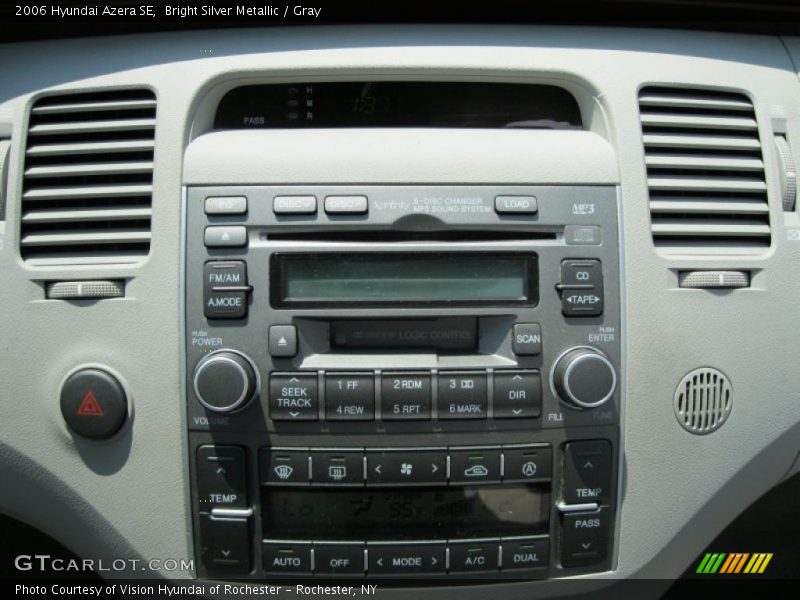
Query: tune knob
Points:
[584, 377]
[225, 381]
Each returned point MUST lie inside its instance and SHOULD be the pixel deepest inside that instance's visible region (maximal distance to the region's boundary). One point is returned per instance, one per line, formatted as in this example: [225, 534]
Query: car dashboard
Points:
[503, 307]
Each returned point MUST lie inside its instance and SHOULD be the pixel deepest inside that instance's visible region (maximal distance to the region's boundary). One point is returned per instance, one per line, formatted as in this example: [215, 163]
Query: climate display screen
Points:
[394, 513]
[398, 104]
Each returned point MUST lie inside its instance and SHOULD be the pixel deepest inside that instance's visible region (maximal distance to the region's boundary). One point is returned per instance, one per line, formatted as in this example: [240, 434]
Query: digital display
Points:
[398, 104]
[403, 513]
[424, 278]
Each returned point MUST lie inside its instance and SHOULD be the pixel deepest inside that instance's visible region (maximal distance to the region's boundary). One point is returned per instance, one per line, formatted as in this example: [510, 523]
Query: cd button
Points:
[462, 395]
[293, 397]
[404, 467]
[475, 465]
[471, 557]
[350, 397]
[337, 468]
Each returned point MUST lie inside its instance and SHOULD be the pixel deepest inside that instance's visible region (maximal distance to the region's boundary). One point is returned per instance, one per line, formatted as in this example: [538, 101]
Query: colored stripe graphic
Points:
[734, 563]
[711, 562]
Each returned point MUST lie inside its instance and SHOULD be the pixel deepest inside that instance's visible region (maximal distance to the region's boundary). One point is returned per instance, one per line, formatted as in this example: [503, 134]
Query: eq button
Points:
[462, 395]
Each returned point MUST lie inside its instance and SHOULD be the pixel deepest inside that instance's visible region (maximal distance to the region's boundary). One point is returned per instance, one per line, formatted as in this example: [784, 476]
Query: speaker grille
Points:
[703, 400]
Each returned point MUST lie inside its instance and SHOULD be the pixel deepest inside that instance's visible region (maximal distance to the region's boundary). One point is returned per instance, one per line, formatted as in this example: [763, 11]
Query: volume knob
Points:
[584, 377]
[225, 381]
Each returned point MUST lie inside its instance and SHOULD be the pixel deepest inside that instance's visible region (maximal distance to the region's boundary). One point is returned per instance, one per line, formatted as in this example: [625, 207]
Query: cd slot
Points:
[462, 235]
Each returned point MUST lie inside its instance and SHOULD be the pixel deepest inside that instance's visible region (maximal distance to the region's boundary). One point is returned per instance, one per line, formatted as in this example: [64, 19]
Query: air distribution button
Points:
[93, 403]
[224, 381]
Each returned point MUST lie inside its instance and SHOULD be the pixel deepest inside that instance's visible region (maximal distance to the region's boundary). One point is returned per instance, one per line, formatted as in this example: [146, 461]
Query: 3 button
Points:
[462, 395]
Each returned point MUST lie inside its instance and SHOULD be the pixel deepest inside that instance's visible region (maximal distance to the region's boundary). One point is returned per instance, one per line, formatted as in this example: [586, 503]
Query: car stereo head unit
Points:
[392, 381]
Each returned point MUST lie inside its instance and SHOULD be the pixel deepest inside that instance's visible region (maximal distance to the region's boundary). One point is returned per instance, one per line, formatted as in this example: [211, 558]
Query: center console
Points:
[388, 380]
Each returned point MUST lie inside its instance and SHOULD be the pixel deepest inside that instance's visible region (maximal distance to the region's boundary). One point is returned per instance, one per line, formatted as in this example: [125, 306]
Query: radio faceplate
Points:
[347, 323]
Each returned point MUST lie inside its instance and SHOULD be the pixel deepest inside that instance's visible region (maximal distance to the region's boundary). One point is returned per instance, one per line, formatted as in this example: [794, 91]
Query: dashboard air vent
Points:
[705, 171]
[88, 181]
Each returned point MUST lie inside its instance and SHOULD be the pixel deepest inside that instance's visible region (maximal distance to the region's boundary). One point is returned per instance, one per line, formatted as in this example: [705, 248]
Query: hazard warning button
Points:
[93, 403]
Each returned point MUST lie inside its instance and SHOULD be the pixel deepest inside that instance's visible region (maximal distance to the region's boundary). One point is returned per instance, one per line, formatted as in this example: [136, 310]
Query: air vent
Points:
[705, 171]
[88, 184]
[703, 400]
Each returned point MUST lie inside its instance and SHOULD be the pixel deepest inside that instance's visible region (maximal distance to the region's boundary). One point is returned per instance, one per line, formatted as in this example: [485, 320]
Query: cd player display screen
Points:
[406, 513]
[403, 279]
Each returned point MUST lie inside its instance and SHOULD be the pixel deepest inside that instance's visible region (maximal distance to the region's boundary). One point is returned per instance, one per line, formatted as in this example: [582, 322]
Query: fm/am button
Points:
[293, 397]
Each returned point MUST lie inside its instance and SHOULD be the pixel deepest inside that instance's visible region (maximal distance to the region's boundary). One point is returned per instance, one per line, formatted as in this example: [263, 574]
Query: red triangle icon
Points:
[90, 407]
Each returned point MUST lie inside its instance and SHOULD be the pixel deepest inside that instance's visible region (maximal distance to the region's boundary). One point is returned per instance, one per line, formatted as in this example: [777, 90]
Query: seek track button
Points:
[293, 397]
